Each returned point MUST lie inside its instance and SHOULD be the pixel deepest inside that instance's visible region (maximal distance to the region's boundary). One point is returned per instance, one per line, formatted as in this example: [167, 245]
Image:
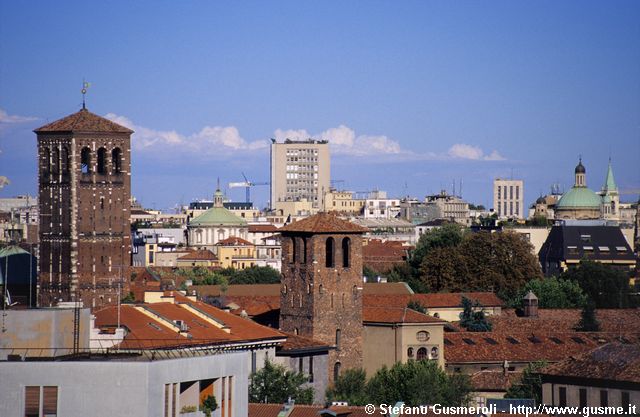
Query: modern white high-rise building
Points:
[300, 170]
[508, 198]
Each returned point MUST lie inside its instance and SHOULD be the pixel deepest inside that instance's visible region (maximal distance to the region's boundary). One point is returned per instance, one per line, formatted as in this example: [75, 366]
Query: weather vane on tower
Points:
[85, 86]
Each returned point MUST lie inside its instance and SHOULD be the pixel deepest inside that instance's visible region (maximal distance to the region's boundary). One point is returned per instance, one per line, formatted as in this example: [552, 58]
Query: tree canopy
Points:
[473, 321]
[275, 384]
[530, 383]
[552, 292]
[405, 382]
[606, 286]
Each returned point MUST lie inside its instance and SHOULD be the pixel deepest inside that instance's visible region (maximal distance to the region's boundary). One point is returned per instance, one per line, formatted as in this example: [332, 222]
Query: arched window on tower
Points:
[336, 370]
[46, 156]
[66, 162]
[330, 252]
[304, 250]
[55, 161]
[346, 252]
[102, 161]
[338, 334]
[116, 160]
[293, 253]
[85, 160]
[422, 354]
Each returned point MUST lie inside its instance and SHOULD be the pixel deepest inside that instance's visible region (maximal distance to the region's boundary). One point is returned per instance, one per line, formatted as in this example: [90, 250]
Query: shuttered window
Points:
[32, 402]
[50, 401]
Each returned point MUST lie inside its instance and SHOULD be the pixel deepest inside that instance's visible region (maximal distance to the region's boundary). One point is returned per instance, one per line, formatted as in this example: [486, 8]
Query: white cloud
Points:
[209, 140]
[225, 140]
[464, 151]
[11, 118]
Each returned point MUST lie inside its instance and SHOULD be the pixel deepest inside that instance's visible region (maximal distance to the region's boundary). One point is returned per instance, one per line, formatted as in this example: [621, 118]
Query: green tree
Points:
[275, 384]
[606, 286]
[530, 383]
[417, 306]
[442, 270]
[129, 298]
[449, 235]
[552, 292]
[407, 381]
[473, 321]
[351, 386]
[501, 262]
[588, 321]
[370, 273]
[209, 405]
[255, 275]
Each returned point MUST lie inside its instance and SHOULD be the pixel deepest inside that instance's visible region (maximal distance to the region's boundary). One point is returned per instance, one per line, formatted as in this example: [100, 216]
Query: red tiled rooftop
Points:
[434, 300]
[614, 361]
[199, 255]
[300, 343]
[470, 347]
[83, 121]
[494, 380]
[234, 241]
[323, 223]
[394, 315]
[262, 228]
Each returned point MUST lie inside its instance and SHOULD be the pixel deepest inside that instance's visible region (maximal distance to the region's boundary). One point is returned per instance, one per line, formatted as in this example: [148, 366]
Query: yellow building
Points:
[236, 253]
[342, 202]
[394, 334]
[203, 257]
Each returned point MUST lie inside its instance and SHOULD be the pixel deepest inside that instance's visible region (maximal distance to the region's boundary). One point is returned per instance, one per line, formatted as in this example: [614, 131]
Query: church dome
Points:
[540, 200]
[579, 197]
[580, 168]
[218, 216]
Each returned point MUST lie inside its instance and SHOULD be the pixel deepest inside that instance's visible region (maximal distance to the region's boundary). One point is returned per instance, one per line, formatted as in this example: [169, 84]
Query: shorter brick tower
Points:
[321, 289]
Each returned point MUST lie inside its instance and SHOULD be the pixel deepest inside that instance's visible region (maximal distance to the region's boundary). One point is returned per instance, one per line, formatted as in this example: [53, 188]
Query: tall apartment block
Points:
[84, 181]
[508, 197]
[300, 170]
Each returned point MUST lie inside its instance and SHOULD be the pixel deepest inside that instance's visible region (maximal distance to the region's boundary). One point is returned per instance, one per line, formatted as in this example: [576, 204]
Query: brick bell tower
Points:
[321, 289]
[84, 182]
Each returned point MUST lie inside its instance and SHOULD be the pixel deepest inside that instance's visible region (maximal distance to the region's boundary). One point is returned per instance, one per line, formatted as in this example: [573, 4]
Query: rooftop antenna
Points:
[460, 190]
[85, 86]
[454, 188]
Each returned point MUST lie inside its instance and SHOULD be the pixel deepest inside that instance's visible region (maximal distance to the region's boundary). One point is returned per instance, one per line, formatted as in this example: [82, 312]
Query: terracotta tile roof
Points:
[254, 305]
[482, 347]
[149, 325]
[262, 228]
[199, 255]
[434, 300]
[555, 320]
[388, 249]
[387, 288]
[234, 241]
[494, 380]
[613, 362]
[393, 315]
[83, 121]
[295, 343]
[323, 223]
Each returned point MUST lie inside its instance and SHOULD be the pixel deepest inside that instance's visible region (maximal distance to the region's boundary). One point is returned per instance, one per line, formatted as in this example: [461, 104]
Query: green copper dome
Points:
[218, 216]
[579, 197]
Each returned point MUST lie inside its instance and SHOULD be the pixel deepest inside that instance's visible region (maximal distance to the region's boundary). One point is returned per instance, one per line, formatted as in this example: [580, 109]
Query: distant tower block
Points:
[84, 181]
[321, 294]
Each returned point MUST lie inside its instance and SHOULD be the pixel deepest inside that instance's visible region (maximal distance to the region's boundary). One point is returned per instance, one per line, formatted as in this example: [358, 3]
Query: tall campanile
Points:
[84, 179]
[321, 289]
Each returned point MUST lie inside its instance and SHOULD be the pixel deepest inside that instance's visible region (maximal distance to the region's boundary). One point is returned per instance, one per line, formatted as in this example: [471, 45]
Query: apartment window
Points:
[625, 398]
[499, 193]
[517, 192]
[33, 407]
[330, 253]
[604, 397]
[583, 397]
[511, 192]
[511, 208]
[301, 364]
[562, 396]
[310, 368]
[254, 360]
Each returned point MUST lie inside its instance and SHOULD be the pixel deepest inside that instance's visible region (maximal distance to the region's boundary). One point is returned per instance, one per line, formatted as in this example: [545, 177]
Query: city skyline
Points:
[411, 97]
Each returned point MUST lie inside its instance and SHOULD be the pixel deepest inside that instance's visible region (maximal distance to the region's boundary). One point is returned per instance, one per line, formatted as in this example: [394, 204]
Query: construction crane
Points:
[247, 184]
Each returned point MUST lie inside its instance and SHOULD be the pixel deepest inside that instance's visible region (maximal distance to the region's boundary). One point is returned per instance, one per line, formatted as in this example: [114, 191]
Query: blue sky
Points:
[412, 95]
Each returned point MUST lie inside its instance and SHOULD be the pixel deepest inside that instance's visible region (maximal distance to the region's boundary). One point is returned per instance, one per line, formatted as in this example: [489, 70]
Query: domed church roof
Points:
[579, 197]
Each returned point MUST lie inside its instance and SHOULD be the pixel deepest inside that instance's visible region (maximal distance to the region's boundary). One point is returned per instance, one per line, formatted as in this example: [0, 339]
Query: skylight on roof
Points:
[621, 248]
[490, 341]
[578, 340]
[535, 339]
[512, 340]
[448, 342]
[603, 248]
[155, 326]
[468, 341]
[587, 247]
[556, 340]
